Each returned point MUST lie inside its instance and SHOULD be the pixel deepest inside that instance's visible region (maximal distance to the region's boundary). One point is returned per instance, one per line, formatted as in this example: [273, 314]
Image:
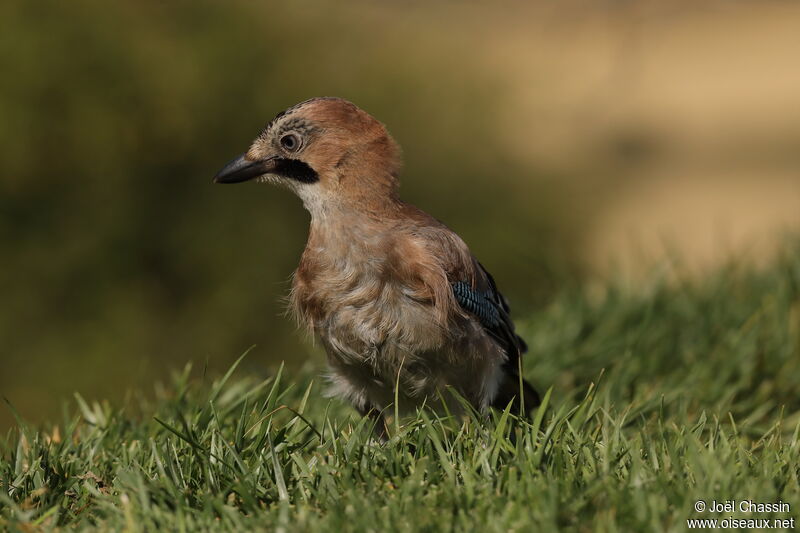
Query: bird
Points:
[402, 308]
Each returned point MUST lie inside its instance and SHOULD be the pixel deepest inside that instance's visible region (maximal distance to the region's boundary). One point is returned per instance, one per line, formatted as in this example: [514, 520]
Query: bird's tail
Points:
[521, 394]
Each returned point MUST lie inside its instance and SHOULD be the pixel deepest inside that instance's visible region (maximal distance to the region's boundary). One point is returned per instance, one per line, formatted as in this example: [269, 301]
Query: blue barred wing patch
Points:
[478, 303]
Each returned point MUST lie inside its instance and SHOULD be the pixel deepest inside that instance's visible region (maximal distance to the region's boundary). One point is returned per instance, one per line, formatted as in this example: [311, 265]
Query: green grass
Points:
[659, 397]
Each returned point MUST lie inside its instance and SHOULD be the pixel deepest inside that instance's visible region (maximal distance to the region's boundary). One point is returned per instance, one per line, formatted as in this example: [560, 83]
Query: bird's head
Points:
[328, 151]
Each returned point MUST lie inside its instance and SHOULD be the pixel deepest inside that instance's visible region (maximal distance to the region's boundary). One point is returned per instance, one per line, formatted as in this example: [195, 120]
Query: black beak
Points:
[242, 169]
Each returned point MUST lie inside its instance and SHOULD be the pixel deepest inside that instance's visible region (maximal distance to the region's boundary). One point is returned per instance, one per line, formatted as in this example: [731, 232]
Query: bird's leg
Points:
[378, 422]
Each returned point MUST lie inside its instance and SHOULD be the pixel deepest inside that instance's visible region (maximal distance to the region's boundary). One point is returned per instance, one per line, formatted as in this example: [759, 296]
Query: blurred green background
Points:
[564, 142]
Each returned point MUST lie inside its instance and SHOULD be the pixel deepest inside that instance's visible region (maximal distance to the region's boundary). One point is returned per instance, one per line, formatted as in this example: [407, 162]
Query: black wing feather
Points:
[492, 311]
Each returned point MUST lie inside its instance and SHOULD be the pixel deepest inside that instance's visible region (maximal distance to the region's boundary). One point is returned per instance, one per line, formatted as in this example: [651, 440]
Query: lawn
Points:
[659, 395]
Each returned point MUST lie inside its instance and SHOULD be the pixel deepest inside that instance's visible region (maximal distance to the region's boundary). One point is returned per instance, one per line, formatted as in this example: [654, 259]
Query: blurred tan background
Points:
[564, 141]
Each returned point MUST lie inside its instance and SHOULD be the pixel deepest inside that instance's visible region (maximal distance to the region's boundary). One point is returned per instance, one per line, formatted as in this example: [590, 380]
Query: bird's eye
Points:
[290, 142]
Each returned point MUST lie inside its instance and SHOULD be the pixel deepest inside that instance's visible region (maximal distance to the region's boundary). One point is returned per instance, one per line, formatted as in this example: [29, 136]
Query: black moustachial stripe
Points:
[296, 170]
[477, 303]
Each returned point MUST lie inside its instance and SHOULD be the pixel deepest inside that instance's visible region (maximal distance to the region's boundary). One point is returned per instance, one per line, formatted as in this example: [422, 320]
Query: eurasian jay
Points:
[399, 303]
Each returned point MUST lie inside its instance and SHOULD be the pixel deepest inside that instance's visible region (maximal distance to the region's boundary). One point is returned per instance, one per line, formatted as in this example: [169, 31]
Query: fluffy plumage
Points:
[395, 296]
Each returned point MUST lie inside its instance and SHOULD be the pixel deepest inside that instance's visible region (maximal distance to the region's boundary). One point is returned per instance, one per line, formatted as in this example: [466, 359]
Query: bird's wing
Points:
[483, 301]
[472, 286]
